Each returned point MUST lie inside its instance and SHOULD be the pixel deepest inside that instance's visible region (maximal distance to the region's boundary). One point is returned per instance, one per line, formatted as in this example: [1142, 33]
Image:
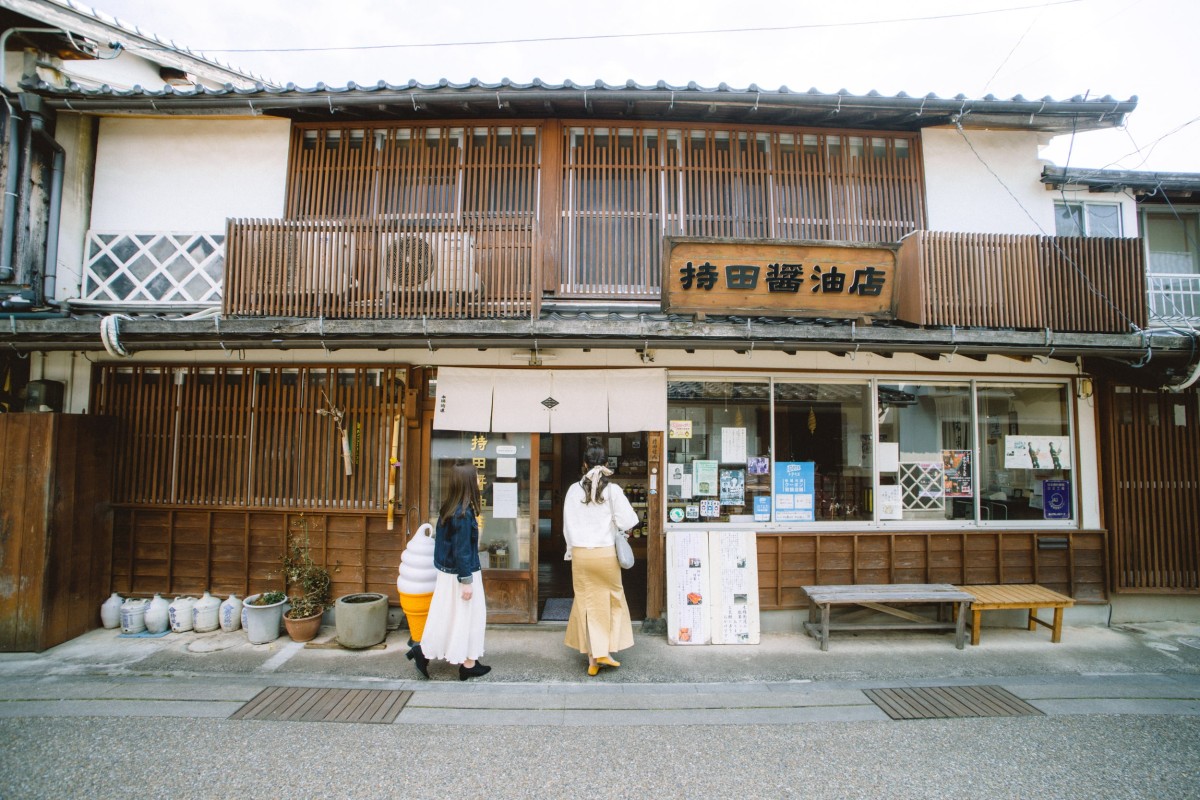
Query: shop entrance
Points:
[560, 462]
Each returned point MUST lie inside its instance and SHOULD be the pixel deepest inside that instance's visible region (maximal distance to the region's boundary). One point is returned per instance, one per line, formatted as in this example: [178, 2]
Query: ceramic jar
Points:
[231, 614]
[262, 623]
[110, 611]
[206, 614]
[181, 614]
[158, 615]
[133, 616]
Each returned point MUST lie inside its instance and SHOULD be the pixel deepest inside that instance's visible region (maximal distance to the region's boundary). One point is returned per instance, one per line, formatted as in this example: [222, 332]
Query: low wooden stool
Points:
[1029, 596]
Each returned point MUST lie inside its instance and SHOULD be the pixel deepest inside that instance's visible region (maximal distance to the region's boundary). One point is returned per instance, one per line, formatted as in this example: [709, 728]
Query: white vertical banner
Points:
[688, 617]
[733, 586]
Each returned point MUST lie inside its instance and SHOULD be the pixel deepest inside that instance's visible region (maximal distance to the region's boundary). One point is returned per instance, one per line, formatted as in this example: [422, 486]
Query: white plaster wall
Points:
[74, 133]
[964, 195]
[188, 175]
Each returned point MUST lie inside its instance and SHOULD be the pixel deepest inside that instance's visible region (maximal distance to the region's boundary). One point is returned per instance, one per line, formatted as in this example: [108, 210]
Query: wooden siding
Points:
[787, 561]
[251, 436]
[1010, 281]
[1151, 455]
[55, 527]
[179, 551]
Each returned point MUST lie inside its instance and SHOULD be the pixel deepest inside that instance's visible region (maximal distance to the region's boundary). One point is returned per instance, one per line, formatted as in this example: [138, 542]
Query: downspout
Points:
[7, 243]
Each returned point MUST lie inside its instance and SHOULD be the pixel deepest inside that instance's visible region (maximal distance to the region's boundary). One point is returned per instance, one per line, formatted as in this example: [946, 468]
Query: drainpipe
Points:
[7, 242]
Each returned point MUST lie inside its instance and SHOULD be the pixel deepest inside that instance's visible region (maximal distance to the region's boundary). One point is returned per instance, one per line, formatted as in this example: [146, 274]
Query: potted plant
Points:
[262, 613]
[308, 581]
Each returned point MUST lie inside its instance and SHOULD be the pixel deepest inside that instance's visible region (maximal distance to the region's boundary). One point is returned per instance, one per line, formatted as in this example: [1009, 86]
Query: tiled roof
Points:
[661, 101]
[1115, 180]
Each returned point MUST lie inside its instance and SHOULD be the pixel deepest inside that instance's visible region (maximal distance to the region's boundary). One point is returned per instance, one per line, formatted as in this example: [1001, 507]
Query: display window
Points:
[778, 452]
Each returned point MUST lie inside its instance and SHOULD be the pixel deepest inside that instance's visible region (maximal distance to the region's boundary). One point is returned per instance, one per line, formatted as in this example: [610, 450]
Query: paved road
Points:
[102, 717]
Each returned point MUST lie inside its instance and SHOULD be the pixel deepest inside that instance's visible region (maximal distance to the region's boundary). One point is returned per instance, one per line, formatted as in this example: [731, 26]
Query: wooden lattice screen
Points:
[251, 437]
[625, 188]
[1151, 453]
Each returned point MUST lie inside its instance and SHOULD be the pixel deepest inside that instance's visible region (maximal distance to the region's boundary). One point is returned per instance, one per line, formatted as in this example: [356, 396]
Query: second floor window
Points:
[1093, 220]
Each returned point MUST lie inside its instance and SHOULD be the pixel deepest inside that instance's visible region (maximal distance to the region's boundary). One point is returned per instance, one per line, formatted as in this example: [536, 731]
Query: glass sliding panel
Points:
[718, 451]
[502, 463]
[823, 430]
[926, 452]
[1026, 453]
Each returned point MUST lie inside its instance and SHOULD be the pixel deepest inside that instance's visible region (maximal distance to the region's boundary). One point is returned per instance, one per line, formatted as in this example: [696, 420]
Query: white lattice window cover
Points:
[184, 269]
[924, 485]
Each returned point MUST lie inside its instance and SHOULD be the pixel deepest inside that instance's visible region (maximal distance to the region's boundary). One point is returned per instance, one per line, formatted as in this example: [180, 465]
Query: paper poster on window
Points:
[956, 464]
[504, 501]
[795, 487]
[679, 429]
[1037, 452]
[710, 508]
[674, 474]
[889, 456]
[758, 465]
[733, 487]
[506, 468]
[891, 502]
[762, 508]
[1056, 499]
[704, 478]
[733, 445]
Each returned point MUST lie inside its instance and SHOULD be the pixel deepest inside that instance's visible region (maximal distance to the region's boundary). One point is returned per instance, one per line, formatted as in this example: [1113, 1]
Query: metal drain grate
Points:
[303, 704]
[950, 702]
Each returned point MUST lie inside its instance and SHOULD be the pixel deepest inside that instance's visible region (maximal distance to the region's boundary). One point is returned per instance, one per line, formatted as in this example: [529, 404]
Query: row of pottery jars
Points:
[207, 614]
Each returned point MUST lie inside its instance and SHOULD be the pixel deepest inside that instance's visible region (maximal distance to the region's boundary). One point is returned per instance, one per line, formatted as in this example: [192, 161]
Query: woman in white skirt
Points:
[457, 613]
[595, 512]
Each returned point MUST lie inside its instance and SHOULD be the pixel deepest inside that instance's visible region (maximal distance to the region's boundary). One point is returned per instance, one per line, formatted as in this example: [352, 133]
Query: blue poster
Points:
[762, 508]
[1056, 499]
[795, 491]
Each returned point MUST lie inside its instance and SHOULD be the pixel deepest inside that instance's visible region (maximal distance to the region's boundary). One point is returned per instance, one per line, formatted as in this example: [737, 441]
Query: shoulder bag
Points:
[621, 541]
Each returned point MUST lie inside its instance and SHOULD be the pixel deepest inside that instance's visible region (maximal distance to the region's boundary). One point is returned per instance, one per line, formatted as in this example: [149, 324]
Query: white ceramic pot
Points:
[133, 616]
[181, 614]
[110, 611]
[262, 623]
[231, 614]
[158, 615]
[206, 614]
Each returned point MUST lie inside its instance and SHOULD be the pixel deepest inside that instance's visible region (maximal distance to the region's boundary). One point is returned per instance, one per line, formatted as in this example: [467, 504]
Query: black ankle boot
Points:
[473, 672]
[415, 654]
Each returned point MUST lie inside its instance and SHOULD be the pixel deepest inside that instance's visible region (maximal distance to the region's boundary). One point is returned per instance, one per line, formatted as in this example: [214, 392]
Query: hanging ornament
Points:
[812, 420]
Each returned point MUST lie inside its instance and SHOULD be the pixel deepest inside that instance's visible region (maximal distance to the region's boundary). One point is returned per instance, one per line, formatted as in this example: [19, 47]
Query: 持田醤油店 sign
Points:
[779, 278]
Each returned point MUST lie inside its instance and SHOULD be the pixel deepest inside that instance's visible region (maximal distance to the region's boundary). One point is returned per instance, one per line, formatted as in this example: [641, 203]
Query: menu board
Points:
[687, 587]
[712, 587]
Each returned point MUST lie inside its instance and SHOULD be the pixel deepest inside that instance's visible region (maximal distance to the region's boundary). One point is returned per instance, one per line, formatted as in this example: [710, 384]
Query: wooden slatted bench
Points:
[1025, 596]
[882, 597]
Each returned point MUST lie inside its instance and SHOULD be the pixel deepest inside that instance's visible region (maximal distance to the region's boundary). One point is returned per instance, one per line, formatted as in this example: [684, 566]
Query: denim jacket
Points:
[456, 545]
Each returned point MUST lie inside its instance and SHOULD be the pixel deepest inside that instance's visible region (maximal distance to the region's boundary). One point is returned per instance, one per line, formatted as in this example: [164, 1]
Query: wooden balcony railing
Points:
[380, 268]
[1064, 284]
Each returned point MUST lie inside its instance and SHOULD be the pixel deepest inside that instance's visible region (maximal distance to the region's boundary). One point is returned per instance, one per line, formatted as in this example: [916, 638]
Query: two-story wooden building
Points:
[844, 322]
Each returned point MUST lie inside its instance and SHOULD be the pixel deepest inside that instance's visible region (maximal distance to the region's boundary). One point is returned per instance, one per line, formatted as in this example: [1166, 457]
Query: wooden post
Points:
[656, 592]
[393, 465]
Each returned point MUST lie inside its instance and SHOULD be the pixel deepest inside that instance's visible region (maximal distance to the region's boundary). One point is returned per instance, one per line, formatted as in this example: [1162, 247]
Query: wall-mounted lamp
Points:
[1084, 388]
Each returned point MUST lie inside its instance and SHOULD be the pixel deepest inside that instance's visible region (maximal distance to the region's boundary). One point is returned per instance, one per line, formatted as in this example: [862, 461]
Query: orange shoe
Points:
[608, 662]
[593, 670]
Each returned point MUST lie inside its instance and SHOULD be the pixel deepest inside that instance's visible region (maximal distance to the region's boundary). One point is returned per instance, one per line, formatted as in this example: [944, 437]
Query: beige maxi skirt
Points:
[599, 623]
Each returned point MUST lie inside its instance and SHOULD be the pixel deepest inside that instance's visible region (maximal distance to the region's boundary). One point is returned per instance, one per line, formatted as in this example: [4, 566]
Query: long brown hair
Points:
[463, 491]
[592, 457]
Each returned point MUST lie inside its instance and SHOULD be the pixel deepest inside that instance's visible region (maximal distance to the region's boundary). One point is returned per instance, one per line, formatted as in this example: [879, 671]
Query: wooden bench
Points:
[881, 598]
[1028, 596]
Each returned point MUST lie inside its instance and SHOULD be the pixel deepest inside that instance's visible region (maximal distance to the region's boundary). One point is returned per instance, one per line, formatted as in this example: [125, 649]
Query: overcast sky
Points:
[1035, 48]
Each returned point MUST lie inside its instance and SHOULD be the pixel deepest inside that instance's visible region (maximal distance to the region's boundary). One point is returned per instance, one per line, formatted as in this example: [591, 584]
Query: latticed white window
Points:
[168, 269]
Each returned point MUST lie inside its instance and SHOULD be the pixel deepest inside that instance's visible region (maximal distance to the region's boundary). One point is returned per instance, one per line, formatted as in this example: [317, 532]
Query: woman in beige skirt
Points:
[594, 514]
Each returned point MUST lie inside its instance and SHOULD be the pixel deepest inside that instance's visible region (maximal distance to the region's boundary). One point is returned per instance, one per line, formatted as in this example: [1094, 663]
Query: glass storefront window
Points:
[718, 451]
[822, 430]
[925, 452]
[502, 462]
[1026, 453]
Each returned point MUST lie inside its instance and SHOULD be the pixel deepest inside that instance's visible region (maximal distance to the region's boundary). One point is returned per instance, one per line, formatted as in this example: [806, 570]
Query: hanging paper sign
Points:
[956, 465]
[679, 429]
[704, 478]
[762, 508]
[733, 445]
[1056, 499]
[733, 487]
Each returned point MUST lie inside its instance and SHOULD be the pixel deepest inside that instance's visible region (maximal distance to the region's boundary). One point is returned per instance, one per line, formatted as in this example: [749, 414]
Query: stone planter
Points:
[361, 619]
[262, 622]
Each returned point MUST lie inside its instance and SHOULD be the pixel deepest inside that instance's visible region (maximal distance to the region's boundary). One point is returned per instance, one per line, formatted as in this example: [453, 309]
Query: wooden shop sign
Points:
[778, 278]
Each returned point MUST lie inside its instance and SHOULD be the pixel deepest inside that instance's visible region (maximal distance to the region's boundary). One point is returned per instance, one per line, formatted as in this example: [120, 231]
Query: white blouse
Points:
[595, 524]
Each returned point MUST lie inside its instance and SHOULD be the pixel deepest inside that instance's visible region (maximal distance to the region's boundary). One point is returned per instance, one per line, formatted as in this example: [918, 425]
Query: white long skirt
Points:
[455, 627]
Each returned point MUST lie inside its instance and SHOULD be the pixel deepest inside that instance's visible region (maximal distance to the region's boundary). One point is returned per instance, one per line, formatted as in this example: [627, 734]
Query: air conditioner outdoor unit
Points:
[429, 262]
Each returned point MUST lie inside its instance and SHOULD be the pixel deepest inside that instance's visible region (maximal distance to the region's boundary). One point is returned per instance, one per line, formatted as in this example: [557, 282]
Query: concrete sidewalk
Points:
[1147, 669]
